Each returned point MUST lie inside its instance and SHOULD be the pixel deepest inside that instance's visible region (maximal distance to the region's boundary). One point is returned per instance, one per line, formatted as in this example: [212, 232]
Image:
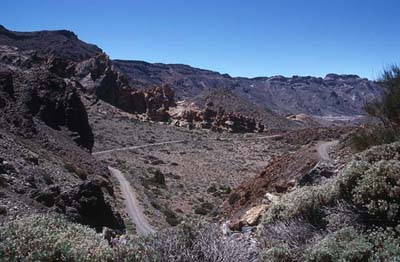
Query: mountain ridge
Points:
[333, 95]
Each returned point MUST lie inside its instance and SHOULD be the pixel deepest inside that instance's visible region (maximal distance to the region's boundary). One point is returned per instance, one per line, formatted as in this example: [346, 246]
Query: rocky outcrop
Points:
[321, 172]
[86, 204]
[45, 143]
[97, 77]
[37, 93]
[252, 215]
[217, 120]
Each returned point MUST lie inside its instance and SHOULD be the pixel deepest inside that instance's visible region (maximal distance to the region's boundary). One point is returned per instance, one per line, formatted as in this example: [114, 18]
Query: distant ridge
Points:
[59, 43]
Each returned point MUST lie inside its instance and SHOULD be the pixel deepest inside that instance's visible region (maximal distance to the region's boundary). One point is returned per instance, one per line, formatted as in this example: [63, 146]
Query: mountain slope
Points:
[333, 95]
[60, 43]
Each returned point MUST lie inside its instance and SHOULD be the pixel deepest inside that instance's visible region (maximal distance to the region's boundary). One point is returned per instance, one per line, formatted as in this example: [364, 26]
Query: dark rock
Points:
[6, 83]
[3, 210]
[207, 205]
[158, 178]
[90, 208]
[172, 221]
[316, 175]
[48, 197]
[201, 211]
[233, 198]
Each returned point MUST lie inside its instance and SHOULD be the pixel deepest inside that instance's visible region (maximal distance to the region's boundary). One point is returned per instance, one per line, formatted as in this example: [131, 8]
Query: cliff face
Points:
[333, 95]
[45, 143]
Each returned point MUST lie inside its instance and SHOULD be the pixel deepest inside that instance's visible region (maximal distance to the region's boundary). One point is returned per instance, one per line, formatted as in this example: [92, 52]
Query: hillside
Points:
[334, 94]
[59, 43]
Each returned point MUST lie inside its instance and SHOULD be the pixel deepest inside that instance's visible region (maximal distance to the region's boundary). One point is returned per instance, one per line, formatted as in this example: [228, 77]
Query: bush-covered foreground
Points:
[353, 217]
[52, 238]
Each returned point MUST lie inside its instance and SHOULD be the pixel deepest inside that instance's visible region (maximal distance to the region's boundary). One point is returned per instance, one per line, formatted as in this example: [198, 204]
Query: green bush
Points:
[366, 138]
[378, 190]
[371, 182]
[387, 108]
[306, 201]
[279, 253]
[349, 244]
[344, 245]
[52, 238]
[386, 244]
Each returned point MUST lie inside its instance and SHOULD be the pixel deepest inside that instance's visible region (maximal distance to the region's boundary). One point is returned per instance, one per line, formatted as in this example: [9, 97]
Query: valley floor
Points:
[199, 168]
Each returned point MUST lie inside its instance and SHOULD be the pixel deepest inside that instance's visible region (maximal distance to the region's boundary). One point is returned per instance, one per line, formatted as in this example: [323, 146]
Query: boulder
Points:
[252, 215]
[86, 204]
[270, 198]
[319, 173]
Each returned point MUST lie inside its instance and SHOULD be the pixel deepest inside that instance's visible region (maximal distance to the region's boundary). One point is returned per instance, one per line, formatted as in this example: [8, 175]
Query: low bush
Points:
[52, 238]
[349, 244]
[293, 234]
[343, 214]
[378, 190]
[280, 253]
[203, 244]
[306, 202]
[366, 138]
[344, 245]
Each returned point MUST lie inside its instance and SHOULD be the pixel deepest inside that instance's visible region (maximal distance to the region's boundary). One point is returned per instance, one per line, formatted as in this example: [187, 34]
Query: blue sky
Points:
[243, 38]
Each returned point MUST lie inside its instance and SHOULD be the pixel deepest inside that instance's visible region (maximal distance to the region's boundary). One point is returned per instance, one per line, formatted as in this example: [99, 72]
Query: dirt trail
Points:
[136, 147]
[323, 149]
[131, 204]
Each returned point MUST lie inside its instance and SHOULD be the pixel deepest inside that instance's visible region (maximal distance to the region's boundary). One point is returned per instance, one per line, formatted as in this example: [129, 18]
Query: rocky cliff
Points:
[334, 94]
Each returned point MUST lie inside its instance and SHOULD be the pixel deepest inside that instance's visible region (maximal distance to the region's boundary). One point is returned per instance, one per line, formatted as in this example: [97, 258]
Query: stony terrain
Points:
[185, 180]
[225, 153]
[45, 144]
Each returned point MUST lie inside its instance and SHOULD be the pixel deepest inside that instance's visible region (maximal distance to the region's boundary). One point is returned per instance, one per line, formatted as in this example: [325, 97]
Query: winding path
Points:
[131, 204]
[324, 148]
[135, 147]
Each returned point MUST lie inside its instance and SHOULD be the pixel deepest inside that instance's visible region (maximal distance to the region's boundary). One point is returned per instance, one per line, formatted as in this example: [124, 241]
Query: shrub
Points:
[203, 244]
[342, 214]
[349, 244]
[43, 238]
[306, 201]
[293, 234]
[344, 245]
[387, 109]
[378, 190]
[52, 238]
[366, 138]
[386, 244]
[279, 253]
